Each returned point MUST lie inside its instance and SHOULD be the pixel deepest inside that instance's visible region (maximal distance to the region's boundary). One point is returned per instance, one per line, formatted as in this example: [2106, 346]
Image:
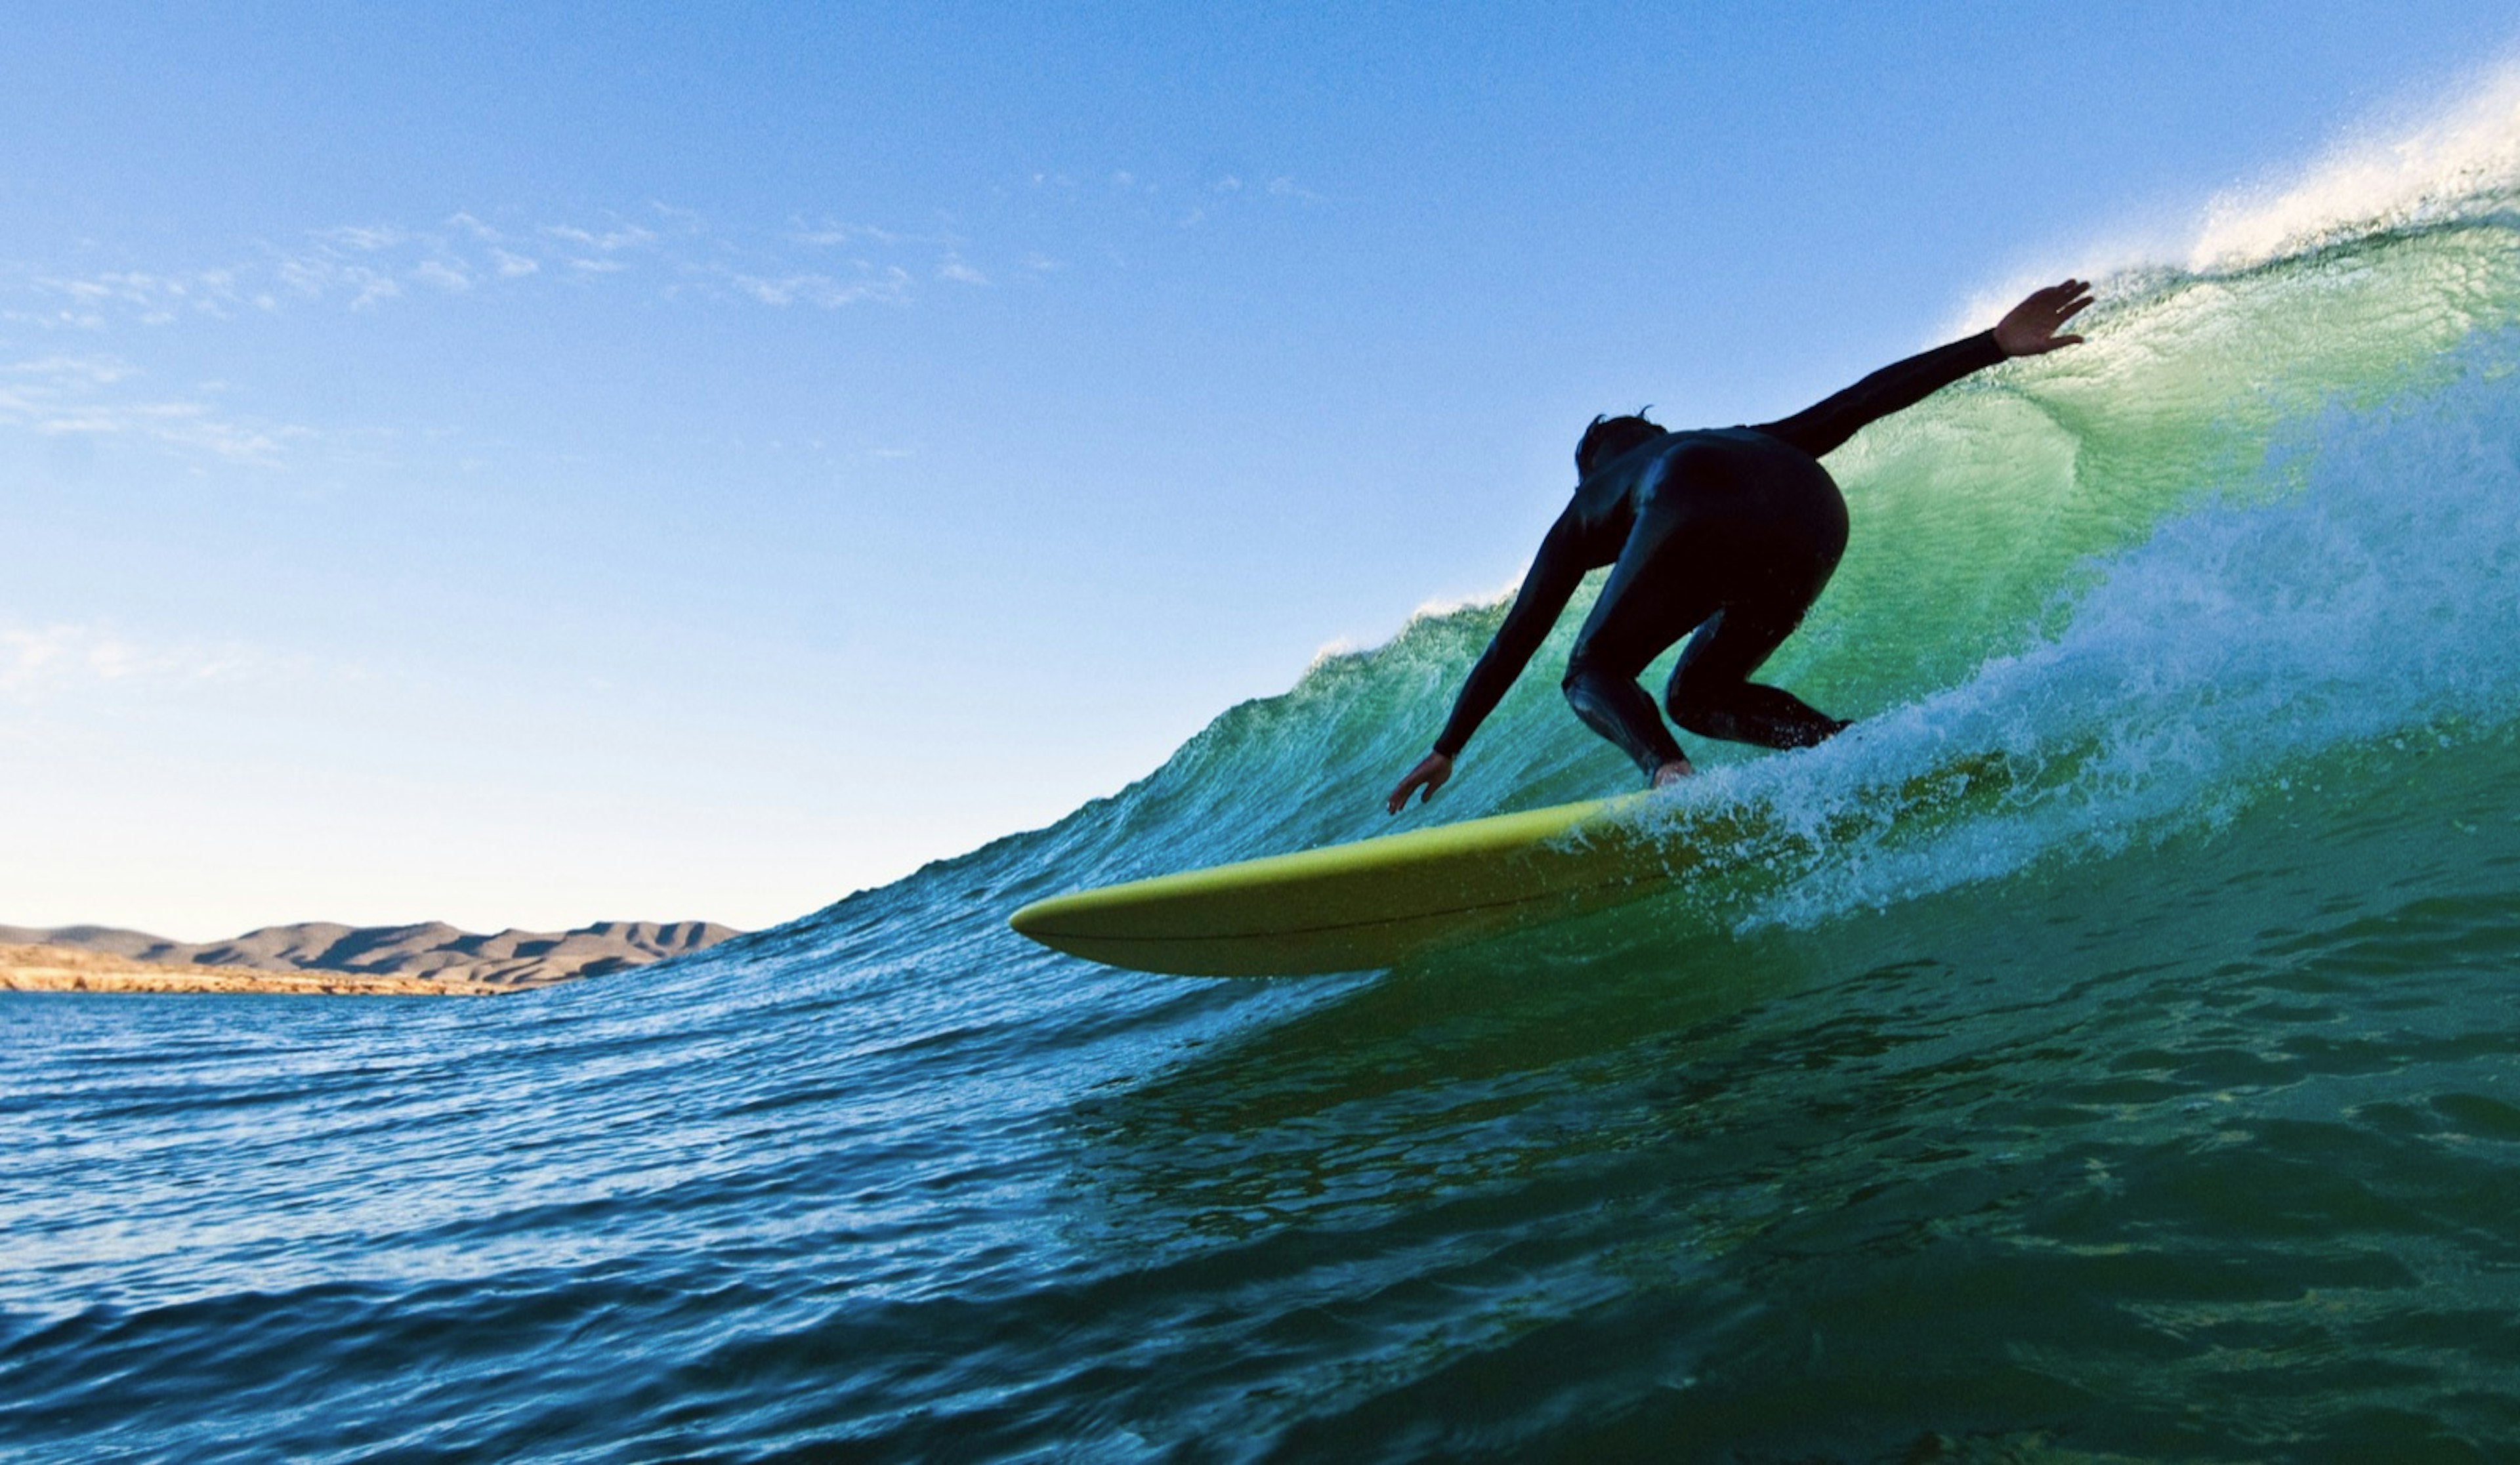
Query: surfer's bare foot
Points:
[1430, 773]
[1673, 772]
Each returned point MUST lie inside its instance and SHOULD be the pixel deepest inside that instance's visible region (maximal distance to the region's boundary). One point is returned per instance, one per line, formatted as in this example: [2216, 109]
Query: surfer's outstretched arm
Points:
[1554, 573]
[2029, 329]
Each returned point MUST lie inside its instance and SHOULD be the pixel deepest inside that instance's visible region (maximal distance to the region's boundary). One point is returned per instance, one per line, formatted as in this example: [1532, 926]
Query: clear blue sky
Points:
[528, 463]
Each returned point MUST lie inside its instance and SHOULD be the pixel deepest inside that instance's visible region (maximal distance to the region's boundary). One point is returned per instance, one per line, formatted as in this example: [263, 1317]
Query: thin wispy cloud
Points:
[690, 220]
[891, 285]
[610, 242]
[450, 278]
[94, 397]
[83, 371]
[38, 663]
[324, 276]
[88, 302]
[366, 238]
[1195, 203]
[830, 235]
[664, 249]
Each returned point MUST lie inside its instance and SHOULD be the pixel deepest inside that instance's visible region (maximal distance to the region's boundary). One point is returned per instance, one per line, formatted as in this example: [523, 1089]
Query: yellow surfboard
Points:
[1375, 903]
[1379, 902]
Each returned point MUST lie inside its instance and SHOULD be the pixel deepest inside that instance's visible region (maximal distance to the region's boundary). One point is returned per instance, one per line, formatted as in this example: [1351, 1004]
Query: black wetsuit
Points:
[1732, 529]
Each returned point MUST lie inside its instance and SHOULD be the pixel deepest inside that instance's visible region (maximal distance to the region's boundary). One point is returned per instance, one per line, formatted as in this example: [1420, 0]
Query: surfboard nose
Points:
[1033, 919]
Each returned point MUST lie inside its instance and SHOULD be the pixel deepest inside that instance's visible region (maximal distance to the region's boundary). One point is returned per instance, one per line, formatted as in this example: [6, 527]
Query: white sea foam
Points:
[2460, 160]
[2245, 642]
[2446, 160]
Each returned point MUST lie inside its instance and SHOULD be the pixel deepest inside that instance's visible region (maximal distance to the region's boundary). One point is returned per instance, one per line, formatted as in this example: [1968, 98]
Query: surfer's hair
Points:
[1609, 437]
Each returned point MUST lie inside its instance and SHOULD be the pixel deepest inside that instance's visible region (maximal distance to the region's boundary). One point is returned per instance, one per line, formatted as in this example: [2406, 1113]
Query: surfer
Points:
[1730, 533]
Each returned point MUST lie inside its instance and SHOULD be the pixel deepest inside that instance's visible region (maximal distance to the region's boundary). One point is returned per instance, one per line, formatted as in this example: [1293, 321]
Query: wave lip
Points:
[2461, 164]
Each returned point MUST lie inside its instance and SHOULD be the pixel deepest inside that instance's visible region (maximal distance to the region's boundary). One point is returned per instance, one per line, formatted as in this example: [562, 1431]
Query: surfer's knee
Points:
[1577, 685]
[1591, 690]
[1587, 681]
[1689, 700]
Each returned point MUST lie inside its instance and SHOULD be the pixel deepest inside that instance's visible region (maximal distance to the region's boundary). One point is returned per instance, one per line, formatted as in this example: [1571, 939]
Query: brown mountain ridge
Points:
[394, 958]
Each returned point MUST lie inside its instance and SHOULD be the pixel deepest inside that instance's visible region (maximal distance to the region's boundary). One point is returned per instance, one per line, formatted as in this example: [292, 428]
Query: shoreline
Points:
[66, 969]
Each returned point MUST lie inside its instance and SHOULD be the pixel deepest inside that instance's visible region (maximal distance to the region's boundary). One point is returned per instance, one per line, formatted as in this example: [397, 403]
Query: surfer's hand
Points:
[1673, 772]
[2030, 328]
[1430, 772]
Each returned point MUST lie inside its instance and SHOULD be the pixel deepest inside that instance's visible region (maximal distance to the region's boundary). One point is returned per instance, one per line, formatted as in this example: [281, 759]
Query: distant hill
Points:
[431, 952]
[62, 969]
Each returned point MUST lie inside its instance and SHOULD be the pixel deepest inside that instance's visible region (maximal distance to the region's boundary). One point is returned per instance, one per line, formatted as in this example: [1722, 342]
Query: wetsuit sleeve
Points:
[1818, 429]
[1554, 573]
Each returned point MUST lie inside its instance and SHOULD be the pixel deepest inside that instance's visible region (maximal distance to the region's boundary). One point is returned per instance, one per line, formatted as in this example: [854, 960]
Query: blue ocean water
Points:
[2164, 1105]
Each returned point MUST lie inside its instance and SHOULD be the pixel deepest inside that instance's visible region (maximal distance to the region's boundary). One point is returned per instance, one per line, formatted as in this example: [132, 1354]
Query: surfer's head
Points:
[1609, 437]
